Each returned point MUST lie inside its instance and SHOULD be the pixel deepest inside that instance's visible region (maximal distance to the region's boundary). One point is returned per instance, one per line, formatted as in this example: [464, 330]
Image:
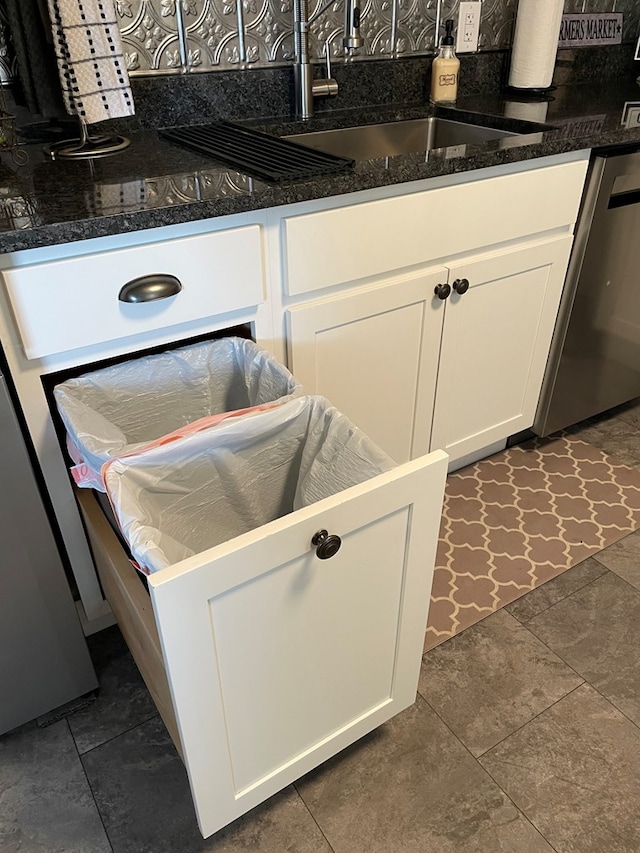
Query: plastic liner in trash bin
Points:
[179, 499]
[117, 410]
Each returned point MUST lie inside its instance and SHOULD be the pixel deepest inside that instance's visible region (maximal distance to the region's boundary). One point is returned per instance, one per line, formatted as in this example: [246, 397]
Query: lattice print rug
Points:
[520, 518]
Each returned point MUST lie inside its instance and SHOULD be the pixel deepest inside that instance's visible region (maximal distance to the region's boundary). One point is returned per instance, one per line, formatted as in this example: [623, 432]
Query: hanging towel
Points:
[95, 83]
[38, 85]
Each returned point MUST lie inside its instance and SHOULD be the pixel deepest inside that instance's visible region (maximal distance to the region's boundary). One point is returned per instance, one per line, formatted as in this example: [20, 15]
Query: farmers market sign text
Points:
[588, 30]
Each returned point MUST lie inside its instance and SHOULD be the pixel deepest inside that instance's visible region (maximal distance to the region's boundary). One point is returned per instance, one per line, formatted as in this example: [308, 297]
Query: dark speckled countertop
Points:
[155, 183]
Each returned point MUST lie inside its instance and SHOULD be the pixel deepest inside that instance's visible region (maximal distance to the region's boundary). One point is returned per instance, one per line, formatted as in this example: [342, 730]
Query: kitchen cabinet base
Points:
[265, 661]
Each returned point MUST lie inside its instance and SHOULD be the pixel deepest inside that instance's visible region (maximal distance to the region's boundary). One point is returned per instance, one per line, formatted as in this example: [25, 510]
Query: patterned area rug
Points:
[520, 518]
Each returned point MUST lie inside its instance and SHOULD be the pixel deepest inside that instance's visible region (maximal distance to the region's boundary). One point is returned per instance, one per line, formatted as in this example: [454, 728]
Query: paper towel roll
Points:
[535, 43]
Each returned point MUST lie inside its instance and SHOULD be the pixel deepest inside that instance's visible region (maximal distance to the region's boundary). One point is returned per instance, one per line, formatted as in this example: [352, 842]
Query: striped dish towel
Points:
[95, 83]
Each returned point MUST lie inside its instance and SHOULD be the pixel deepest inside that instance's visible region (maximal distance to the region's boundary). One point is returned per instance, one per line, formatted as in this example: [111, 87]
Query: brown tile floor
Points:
[525, 737]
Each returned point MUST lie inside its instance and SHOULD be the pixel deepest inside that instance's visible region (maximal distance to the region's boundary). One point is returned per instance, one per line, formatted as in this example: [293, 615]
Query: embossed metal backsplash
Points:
[174, 36]
[204, 35]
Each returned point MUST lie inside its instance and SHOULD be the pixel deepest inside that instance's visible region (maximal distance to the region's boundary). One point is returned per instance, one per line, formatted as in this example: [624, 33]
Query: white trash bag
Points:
[182, 498]
[118, 410]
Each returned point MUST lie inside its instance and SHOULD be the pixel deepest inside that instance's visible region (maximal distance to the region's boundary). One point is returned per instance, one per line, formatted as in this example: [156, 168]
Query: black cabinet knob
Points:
[461, 285]
[326, 544]
[442, 291]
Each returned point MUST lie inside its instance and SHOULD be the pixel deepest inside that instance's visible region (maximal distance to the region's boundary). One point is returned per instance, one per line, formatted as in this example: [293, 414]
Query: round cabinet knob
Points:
[442, 291]
[461, 285]
[326, 544]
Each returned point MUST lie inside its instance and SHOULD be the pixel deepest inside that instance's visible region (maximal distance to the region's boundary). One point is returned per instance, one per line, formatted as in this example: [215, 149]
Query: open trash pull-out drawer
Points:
[265, 660]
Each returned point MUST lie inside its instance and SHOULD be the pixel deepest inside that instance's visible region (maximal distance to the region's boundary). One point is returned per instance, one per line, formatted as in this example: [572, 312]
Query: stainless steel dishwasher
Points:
[44, 660]
[594, 363]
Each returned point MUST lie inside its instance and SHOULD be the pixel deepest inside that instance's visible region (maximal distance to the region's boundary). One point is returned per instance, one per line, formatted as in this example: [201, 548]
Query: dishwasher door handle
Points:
[624, 199]
[150, 288]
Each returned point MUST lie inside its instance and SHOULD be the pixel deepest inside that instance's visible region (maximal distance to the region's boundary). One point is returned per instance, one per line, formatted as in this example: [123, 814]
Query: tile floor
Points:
[525, 738]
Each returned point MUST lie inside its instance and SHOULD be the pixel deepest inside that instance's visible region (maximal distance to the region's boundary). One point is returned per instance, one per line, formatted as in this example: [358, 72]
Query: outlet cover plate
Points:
[468, 26]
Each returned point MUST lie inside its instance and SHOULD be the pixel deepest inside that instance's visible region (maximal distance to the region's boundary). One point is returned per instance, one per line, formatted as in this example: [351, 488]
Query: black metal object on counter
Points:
[266, 157]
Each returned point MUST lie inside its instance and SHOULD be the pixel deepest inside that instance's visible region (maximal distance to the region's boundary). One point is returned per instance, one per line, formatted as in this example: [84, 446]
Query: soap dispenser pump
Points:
[445, 70]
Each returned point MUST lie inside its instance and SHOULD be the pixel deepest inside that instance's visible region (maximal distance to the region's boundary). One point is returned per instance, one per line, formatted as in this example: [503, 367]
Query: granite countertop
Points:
[155, 183]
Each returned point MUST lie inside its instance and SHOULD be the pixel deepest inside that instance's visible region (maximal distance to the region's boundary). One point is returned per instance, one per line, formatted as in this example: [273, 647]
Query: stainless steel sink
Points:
[371, 141]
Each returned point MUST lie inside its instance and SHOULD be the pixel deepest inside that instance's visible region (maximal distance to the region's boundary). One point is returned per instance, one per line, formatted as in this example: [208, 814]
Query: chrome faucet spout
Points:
[352, 39]
[308, 88]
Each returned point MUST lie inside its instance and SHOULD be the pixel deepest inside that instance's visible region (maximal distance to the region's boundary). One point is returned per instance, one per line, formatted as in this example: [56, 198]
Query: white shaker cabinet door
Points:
[374, 354]
[277, 659]
[495, 342]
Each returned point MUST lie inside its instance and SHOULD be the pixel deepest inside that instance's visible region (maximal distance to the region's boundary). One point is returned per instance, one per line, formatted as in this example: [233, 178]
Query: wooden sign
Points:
[590, 30]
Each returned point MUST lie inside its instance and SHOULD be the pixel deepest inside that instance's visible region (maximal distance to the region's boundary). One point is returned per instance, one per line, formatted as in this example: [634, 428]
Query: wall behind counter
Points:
[249, 34]
[163, 101]
[228, 35]
[168, 90]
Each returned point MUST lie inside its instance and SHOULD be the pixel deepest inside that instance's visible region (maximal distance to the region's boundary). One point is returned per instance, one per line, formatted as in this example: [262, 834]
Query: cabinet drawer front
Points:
[276, 659]
[64, 305]
[333, 247]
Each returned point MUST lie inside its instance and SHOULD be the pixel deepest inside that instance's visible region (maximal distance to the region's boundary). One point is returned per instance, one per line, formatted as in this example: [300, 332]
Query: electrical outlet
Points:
[468, 27]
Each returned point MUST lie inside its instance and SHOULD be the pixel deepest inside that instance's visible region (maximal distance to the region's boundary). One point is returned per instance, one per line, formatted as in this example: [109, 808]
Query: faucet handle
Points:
[327, 56]
[328, 86]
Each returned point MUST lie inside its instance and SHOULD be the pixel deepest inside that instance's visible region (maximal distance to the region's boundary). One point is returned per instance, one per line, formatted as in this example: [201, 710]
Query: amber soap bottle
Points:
[445, 70]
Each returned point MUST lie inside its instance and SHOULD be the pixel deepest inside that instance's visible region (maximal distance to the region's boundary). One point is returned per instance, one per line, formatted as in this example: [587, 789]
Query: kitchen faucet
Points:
[306, 87]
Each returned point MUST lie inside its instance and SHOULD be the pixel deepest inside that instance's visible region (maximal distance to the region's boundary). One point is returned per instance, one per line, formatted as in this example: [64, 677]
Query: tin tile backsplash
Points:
[151, 35]
[178, 36]
[163, 36]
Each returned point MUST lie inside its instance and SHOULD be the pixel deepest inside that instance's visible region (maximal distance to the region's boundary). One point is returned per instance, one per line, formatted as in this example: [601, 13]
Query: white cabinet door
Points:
[277, 659]
[374, 354]
[495, 343]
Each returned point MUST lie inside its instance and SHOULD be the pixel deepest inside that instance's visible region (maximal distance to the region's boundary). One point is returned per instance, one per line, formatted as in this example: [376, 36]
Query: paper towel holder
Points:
[531, 94]
[87, 145]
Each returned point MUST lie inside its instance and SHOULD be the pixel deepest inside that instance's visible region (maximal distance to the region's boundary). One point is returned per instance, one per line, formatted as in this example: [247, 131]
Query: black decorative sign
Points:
[590, 30]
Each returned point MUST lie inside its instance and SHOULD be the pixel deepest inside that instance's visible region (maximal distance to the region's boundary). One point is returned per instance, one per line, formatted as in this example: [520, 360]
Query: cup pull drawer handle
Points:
[150, 288]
